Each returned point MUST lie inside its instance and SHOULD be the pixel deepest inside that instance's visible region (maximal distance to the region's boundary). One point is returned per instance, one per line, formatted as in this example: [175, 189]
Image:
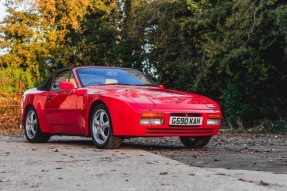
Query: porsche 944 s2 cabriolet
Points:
[110, 104]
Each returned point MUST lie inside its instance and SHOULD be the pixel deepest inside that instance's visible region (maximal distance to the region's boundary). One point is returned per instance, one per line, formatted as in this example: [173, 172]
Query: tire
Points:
[101, 129]
[195, 142]
[33, 132]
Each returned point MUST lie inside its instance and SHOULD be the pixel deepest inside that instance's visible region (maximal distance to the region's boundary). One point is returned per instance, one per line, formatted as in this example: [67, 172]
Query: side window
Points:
[65, 76]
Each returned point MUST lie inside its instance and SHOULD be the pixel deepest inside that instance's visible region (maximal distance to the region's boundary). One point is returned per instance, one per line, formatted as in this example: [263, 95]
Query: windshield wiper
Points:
[108, 84]
[153, 85]
[117, 84]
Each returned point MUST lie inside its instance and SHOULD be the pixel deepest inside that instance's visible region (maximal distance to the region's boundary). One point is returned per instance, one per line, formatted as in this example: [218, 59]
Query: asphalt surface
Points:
[240, 151]
[72, 163]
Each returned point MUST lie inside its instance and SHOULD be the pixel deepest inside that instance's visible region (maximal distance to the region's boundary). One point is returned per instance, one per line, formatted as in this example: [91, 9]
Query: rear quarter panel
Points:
[36, 99]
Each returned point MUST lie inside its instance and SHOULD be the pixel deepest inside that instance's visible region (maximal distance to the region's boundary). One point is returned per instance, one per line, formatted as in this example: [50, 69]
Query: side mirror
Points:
[66, 85]
[161, 86]
[69, 86]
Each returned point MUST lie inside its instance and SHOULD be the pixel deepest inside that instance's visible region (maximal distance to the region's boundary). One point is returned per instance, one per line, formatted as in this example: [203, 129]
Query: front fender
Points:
[120, 110]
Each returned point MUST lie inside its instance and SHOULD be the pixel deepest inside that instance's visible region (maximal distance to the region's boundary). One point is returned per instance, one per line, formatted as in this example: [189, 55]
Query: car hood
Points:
[163, 98]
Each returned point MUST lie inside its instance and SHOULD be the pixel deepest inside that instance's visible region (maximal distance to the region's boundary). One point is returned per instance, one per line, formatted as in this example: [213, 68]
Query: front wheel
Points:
[195, 142]
[101, 128]
[33, 132]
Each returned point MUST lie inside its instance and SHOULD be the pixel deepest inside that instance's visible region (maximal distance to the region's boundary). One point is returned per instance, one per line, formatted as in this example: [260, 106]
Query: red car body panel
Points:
[68, 112]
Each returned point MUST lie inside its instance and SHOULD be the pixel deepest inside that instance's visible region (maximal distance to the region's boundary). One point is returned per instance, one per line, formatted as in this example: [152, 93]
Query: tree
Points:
[232, 51]
[43, 36]
[252, 61]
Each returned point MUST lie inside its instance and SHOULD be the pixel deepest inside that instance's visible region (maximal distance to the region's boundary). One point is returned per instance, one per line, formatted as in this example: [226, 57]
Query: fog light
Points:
[213, 121]
[151, 121]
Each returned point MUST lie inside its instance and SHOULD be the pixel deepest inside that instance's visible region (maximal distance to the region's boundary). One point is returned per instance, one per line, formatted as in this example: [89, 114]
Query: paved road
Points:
[75, 164]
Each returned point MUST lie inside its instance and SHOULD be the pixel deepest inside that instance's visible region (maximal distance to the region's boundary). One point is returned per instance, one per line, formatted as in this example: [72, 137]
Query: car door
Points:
[61, 106]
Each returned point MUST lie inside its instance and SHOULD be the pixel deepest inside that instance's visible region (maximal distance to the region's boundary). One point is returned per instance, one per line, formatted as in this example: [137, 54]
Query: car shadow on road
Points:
[134, 143]
[149, 147]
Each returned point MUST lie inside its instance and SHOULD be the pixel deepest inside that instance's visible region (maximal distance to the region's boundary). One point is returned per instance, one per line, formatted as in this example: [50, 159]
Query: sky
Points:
[2, 9]
[2, 14]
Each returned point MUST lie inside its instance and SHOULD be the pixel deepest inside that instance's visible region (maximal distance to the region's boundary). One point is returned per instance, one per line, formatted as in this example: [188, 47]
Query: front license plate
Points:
[185, 121]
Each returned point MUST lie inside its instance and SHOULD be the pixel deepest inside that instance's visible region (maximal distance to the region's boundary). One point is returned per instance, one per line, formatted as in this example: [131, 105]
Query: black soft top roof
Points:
[46, 86]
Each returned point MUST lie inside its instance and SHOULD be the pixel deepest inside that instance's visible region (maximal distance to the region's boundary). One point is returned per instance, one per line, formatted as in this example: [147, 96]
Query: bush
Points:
[15, 80]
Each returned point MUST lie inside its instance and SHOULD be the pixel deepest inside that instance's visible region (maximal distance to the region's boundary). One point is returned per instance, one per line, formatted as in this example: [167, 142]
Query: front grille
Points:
[180, 130]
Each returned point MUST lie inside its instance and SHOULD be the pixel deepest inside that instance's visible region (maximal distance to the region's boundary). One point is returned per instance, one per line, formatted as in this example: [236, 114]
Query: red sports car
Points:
[110, 104]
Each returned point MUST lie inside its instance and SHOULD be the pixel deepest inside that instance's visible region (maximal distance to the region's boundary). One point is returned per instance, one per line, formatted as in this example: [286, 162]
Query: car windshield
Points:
[112, 76]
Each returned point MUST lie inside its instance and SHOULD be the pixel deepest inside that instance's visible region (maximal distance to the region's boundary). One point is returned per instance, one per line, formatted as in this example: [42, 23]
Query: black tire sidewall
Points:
[195, 142]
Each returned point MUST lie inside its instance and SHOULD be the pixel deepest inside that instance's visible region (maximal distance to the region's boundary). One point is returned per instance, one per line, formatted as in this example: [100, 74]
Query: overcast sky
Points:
[2, 9]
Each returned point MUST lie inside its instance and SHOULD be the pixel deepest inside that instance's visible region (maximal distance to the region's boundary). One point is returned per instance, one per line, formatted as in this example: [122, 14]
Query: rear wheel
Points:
[195, 142]
[101, 128]
[33, 132]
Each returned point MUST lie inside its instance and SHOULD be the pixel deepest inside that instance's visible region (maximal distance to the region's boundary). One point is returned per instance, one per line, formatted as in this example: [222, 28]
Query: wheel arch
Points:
[25, 113]
[93, 105]
[38, 107]
[119, 111]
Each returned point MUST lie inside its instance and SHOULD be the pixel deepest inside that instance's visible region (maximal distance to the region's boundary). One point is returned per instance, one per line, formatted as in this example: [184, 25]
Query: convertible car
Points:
[110, 104]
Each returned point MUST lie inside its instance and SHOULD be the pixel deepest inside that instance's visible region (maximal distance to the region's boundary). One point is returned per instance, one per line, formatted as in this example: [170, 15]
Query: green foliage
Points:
[15, 80]
[235, 103]
[254, 58]
[232, 51]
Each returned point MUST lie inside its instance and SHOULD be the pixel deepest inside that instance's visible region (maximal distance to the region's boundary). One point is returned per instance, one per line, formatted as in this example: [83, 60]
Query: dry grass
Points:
[17, 132]
[10, 115]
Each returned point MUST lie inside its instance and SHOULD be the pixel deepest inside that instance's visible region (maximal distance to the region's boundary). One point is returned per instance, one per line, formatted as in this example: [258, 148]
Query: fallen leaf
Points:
[3, 180]
[222, 174]
[241, 179]
[263, 183]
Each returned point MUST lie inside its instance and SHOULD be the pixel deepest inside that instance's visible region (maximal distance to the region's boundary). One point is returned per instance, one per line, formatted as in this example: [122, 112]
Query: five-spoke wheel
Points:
[101, 128]
[33, 132]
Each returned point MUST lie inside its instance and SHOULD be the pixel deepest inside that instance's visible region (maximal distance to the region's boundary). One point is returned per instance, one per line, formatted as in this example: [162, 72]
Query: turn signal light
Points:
[152, 114]
[214, 115]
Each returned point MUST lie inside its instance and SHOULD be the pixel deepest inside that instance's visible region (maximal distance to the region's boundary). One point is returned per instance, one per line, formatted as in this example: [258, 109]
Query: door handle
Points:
[49, 98]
